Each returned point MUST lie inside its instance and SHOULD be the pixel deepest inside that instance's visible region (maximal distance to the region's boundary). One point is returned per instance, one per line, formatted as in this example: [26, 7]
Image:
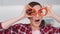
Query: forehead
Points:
[37, 7]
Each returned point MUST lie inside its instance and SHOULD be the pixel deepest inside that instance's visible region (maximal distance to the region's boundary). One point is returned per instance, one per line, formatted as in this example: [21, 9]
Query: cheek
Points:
[31, 19]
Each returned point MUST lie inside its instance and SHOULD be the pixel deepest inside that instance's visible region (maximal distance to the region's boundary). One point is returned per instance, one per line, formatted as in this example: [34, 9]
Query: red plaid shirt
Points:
[26, 29]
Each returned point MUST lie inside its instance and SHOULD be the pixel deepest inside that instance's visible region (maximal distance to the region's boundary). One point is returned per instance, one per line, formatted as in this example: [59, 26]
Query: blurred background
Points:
[13, 8]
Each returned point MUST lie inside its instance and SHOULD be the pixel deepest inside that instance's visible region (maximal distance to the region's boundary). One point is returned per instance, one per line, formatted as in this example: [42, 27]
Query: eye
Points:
[29, 11]
[43, 11]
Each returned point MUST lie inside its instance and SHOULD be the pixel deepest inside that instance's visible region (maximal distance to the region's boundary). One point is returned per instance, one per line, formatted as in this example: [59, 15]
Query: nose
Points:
[37, 15]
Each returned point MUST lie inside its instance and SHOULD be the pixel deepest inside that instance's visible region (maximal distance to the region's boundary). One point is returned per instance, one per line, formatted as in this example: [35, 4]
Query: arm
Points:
[57, 18]
[52, 14]
[6, 24]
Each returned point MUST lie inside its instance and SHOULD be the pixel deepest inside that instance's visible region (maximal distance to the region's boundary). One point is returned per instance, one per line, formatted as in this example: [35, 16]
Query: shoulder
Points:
[50, 28]
[20, 25]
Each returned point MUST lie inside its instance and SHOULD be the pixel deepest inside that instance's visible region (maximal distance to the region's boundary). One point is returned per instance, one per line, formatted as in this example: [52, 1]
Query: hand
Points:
[24, 15]
[50, 11]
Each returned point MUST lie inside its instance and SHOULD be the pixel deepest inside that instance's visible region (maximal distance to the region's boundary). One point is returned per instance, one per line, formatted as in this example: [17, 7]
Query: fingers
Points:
[27, 7]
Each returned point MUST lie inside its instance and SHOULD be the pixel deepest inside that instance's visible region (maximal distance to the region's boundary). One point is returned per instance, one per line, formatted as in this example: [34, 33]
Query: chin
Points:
[37, 25]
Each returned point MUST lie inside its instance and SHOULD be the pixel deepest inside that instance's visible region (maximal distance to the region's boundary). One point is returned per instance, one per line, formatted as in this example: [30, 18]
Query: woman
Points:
[35, 26]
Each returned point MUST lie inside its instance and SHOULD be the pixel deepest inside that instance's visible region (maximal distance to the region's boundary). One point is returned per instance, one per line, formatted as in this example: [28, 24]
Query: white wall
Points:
[7, 12]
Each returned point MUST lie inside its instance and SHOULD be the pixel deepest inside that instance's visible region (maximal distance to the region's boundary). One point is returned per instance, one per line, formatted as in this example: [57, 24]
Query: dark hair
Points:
[32, 4]
[42, 24]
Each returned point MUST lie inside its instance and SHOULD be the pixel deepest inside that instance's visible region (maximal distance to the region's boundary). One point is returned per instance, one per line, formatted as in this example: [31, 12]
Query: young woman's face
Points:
[36, 19]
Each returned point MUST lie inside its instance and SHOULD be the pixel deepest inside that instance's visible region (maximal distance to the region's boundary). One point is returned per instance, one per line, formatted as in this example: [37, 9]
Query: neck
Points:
[34, 27]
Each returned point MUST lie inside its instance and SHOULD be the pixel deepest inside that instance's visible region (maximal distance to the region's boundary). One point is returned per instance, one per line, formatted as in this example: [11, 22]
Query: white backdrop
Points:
[13, 8]
[7, 12]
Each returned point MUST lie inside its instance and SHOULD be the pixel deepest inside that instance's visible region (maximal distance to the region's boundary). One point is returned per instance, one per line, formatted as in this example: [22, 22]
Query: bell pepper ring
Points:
[43, 11]
[31, 12]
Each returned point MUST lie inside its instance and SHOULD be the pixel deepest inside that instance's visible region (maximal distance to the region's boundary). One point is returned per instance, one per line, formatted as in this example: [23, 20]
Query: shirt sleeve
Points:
[0, 26]
[1, 29]
[49, 29]
[11, 30]
[14, 29]
[54, 30]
